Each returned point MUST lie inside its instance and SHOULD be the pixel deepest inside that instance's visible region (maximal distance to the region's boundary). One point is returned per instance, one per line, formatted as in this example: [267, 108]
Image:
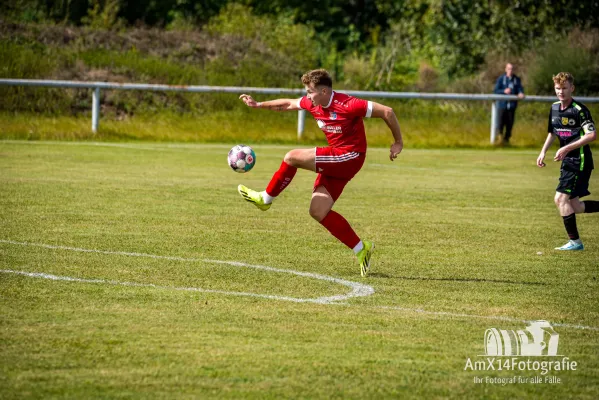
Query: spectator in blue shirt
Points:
[511, 84]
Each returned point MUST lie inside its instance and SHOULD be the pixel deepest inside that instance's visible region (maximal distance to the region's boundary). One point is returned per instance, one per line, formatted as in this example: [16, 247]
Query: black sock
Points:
[570, 224]
[591, 206]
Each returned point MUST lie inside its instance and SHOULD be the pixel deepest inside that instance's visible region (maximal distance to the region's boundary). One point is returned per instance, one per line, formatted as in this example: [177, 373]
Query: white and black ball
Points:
[241, 158]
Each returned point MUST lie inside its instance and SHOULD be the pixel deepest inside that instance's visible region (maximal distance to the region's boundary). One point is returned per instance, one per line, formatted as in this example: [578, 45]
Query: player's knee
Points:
[563, 200]
[560, 199]
[317, 212]
[290, 158]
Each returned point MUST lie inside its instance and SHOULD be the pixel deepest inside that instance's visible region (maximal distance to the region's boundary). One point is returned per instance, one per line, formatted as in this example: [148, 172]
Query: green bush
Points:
[30, 61]
[242, 49]
[262, 50]
[143, 68]
[103, 15]
[568, 56]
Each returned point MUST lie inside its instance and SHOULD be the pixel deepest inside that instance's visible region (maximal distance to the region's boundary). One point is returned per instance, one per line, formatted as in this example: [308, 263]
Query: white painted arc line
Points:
[357, 289]
[292, 299]
[322, 300]
[153, 286]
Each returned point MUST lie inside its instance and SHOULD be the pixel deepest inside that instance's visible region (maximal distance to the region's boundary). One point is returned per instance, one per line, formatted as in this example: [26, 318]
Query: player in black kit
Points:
[571, 122]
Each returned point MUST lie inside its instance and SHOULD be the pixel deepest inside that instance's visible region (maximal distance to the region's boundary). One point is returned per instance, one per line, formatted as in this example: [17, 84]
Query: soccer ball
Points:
[241, 158]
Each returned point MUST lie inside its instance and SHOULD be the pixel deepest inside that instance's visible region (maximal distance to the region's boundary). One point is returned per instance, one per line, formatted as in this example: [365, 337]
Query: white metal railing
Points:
[97, 86]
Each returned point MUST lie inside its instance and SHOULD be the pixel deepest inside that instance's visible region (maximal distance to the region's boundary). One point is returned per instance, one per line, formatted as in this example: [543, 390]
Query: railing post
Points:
[493, 121]
[301, 116]
[95, 109]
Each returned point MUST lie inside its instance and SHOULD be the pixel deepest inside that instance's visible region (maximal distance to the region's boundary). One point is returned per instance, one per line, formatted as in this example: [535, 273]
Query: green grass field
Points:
[141, 296]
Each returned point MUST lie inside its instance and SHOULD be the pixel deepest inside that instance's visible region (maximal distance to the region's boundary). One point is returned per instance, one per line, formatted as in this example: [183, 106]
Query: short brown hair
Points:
[562, 78]
[318, 77]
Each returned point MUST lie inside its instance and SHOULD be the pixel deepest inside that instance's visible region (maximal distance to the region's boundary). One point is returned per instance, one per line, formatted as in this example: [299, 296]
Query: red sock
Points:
[340, 228]
[281, 179]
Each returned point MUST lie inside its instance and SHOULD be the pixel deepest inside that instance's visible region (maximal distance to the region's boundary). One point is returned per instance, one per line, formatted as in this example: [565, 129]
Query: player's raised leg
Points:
[590, 206]
[294, 159]
[321, 210]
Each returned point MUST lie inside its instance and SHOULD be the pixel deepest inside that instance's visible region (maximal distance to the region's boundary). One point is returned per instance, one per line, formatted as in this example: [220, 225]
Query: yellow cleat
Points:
[364, 257]
[253, 197]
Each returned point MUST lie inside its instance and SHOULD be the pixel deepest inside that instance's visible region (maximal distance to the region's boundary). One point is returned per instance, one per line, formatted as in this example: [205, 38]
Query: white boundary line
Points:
[155, 146]
[199, 145]
[358, 289]
[494, 317]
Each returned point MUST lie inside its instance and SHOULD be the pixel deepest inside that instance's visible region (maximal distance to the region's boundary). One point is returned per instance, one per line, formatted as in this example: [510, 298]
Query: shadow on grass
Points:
[418, 278]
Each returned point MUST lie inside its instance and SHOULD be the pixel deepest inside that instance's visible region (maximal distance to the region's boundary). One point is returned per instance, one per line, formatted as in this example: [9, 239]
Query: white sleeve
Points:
[299, 101]
[369, 110]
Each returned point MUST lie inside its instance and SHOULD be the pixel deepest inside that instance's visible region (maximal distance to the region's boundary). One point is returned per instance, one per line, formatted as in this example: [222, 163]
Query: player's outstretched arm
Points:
[275, 105]
[388, 115]
[546, 146]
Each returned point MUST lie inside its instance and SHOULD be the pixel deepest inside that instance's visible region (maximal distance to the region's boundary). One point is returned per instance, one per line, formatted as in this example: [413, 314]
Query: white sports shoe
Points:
[572, 245]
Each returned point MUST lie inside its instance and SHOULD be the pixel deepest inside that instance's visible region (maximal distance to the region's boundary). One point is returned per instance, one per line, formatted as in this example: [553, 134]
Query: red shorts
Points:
[335, 168]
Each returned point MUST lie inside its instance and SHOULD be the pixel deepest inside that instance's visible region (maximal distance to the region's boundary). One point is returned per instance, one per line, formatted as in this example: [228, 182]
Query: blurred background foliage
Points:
[420, 45]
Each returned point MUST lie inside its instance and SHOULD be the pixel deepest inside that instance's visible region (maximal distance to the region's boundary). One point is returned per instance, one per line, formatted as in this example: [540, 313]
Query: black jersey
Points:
[570, 125]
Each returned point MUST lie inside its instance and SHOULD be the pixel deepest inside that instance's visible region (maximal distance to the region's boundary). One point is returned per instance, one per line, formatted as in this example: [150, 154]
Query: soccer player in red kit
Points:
[341, 119]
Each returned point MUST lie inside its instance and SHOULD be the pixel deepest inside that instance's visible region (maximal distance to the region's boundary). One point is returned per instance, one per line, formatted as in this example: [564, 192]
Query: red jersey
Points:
[341, 120]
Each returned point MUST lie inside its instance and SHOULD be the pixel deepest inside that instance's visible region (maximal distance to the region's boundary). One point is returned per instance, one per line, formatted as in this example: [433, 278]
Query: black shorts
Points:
[573, 181]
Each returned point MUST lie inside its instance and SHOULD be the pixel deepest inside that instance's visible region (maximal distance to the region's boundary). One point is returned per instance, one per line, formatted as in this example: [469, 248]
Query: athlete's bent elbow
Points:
[389, 114]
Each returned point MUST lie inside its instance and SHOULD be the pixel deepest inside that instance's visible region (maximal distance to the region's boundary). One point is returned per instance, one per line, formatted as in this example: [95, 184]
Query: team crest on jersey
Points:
[564, 121]
[333, 115]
